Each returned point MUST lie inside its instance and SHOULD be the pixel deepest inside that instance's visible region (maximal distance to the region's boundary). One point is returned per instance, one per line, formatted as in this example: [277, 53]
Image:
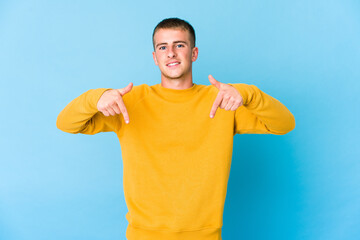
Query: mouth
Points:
[173, 64]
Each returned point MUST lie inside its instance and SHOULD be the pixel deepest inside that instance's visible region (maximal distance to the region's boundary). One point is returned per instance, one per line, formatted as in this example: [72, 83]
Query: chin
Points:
[172, 76]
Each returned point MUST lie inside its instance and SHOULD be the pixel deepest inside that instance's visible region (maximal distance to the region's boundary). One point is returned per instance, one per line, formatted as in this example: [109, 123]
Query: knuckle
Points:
[117, 97]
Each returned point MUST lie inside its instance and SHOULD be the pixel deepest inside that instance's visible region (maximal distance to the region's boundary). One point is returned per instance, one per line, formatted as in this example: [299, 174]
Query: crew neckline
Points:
[175, 95]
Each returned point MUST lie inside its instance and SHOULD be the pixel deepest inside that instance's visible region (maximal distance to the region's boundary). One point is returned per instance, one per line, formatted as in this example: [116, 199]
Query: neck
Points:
[177, 83]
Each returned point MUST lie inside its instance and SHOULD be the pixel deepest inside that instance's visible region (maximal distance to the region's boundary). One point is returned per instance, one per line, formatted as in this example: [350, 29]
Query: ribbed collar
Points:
[175, 95]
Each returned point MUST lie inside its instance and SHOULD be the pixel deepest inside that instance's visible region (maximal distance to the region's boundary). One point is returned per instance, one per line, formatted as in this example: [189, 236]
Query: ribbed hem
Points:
[135, 233]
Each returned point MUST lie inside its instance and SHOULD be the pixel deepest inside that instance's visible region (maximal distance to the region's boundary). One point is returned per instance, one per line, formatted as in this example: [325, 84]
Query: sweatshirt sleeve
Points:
[261, 113]
[82, 116]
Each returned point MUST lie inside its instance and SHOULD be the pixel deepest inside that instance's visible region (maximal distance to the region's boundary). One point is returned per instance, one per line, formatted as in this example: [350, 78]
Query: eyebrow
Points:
[173, 42]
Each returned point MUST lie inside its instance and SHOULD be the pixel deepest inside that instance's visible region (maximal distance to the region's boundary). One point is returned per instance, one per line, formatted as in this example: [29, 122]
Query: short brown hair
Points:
[175, 23]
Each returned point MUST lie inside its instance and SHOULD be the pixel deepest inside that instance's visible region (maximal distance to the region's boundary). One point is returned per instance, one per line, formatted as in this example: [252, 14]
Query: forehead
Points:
[165, 35]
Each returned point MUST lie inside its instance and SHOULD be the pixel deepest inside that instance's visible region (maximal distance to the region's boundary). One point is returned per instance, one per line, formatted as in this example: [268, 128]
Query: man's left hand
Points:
[228, 97]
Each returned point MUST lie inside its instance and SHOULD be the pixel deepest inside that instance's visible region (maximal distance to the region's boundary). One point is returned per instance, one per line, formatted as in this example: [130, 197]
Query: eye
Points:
[162, 48]
[180, 45]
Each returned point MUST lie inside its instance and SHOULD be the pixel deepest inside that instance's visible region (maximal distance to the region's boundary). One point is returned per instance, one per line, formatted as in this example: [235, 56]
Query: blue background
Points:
[303, 185]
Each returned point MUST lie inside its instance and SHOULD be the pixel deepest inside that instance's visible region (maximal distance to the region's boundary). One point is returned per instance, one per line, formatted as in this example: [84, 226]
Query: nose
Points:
[171, 53]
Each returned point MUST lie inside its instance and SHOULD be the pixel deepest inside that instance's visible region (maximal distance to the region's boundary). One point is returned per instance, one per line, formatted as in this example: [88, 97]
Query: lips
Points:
[172, 64]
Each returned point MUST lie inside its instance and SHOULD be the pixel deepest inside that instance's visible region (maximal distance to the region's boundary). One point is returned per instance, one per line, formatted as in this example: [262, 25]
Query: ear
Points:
[194, 54]
[155, 60]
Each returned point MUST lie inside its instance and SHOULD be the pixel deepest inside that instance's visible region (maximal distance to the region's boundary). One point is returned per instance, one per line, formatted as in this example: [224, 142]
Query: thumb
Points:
[126, 89]
[214, 82]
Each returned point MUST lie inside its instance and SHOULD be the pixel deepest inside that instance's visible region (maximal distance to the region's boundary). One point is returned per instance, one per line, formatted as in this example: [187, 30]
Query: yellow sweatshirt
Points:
[176, 159]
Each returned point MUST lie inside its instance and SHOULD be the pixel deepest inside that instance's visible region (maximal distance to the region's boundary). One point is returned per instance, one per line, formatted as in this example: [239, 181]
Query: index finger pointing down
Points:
[216, 104]
[123, 110]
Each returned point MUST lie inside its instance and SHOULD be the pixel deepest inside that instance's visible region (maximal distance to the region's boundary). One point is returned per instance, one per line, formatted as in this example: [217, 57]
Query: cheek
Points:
[160, 59]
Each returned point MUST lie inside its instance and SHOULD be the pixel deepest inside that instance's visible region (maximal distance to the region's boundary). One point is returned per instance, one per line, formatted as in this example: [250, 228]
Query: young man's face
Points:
[173, 53]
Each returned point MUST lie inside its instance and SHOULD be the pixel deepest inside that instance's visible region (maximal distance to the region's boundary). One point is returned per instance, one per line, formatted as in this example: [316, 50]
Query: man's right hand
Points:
[111, 102]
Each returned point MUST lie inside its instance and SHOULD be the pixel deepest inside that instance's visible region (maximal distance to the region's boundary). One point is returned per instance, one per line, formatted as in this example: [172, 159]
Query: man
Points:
[176, 138]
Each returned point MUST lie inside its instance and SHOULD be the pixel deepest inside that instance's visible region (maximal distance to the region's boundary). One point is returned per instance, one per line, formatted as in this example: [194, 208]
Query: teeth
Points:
[173, 64]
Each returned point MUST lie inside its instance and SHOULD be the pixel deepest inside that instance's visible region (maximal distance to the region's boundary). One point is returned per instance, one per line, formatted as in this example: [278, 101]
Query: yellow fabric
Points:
[176, 158]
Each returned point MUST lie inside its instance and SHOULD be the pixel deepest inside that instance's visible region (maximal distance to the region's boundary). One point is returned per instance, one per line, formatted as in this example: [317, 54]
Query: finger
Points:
[123, 110]
[214, 82]
[106, 113]
[116, 108]
[126, 89]
[110, 111]
[215, 105]
[229, 105]
[236, 105]
[224, 102]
